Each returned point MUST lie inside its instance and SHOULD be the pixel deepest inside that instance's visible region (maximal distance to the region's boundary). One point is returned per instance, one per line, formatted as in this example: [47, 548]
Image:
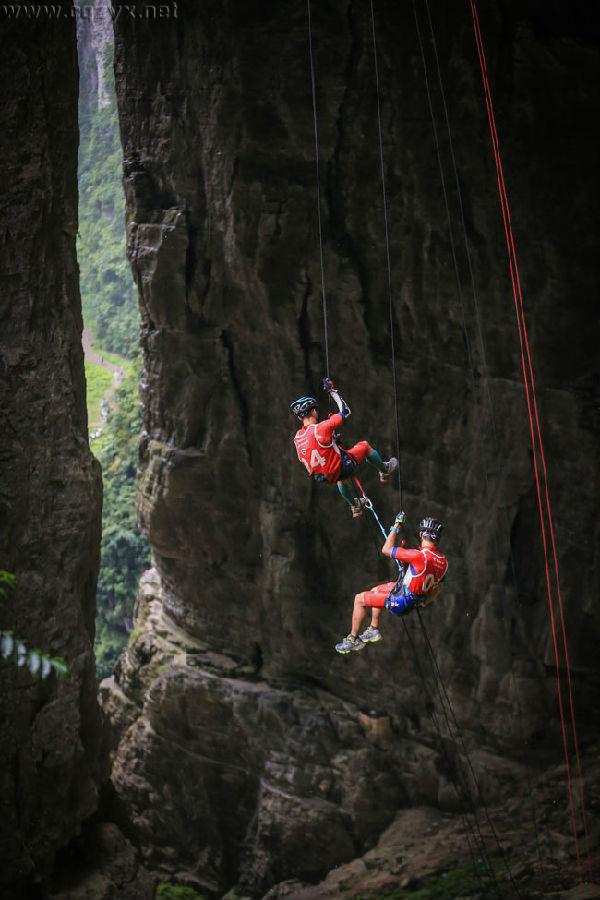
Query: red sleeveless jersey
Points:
[426, 568]
[317, 449]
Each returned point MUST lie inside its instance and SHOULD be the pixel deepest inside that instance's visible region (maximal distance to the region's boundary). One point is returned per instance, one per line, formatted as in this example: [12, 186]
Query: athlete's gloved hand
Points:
[400, 518]
[327, 385]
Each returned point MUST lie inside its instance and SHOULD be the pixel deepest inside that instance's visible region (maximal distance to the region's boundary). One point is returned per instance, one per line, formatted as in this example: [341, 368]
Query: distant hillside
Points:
[110, 312]
[107, 288]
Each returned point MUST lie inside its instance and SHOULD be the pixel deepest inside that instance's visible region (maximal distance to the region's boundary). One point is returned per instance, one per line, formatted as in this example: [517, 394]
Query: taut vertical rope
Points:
[387, 254]
[318, 175]
[486, 384]
[540, 471]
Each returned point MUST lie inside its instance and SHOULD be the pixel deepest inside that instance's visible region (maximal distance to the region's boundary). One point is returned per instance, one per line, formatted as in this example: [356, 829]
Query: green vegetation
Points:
[166, 891]
[110, 313]
[7, 580]
[457, 882]
[11, 648]
[118, 360]
[124, 550]
[98, 381]
[107, 289]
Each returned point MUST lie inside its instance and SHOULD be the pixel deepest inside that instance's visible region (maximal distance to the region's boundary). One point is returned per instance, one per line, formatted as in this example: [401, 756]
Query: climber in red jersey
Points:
[321, 455]
[418, 583]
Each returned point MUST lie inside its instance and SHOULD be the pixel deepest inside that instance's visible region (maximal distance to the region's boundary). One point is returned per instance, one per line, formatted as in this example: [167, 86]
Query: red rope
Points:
[537, 447]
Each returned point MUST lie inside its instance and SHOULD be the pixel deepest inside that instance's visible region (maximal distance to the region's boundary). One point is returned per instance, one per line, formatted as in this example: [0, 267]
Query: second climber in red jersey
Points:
[418, 583]
[321, 455]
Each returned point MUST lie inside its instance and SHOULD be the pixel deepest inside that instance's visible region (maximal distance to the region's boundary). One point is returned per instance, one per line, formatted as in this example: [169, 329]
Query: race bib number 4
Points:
[316, 459]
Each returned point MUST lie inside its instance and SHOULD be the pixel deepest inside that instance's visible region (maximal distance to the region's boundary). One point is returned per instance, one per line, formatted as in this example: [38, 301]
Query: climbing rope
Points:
[461, 788]
[437, 674]
[542, 490]
[486, 386]
[387, 256]
[318, 177]
[369, 505]
[478, 322]
[474, 291]
[526, 366]
[446, 703]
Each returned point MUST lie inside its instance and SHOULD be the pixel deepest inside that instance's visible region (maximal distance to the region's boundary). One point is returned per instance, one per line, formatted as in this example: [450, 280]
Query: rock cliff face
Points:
[94, 35]
[241, 738]
[50, 485]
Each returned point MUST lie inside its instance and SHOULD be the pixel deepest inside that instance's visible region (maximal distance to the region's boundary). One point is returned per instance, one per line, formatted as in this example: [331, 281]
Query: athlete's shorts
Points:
[381, 596]
[378, 595]
[352, 458]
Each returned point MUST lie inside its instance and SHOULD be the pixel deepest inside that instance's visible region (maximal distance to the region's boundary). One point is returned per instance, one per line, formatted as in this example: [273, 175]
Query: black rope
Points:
[462, 793]
[450, 230]
[463, 222]
[478, 421]
[387, 254]
[486, 386]
[314, 104]
[442, 687]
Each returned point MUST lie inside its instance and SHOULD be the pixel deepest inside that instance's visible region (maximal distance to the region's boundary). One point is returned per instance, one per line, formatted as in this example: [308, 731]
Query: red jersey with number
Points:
[426, 568]
[317, 449]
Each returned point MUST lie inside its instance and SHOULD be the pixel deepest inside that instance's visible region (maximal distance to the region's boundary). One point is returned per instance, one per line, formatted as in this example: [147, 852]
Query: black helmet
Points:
[430, 528]
[303, 405]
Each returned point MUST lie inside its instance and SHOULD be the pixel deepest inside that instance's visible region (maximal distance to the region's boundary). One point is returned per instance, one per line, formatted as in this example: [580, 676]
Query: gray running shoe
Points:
[349, 644]
[371, 635]
[390, 467]
[358, 506]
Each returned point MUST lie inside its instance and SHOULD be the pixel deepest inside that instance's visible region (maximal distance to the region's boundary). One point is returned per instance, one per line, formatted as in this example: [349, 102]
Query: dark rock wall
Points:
[255, 566]
[49, 483]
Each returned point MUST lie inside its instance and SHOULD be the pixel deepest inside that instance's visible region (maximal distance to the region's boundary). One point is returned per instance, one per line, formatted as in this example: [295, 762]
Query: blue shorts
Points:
[348, 466]
[401, 603]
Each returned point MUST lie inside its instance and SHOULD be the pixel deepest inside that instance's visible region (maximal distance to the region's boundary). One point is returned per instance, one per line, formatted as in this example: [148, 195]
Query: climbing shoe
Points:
[390, 467]
[349, 644]
[358, 506]
[371, 635]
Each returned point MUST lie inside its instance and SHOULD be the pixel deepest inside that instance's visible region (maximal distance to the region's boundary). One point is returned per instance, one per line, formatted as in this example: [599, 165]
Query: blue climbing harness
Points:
[401, 600]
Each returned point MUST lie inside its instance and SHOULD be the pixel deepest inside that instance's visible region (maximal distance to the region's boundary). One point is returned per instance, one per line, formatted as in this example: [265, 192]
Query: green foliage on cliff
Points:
[7, 580]
[110, 313]
[107, 289]
[124, 550]
[16, 651]
[166, 891]
[98, 381]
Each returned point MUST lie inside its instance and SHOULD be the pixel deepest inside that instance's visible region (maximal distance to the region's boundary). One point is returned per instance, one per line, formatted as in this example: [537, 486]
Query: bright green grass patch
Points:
[116, 360]
[98, 381]
[166, 891]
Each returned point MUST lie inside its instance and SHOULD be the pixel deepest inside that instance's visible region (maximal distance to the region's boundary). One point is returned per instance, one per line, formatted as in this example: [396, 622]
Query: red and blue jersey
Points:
[426, 568]
[317, 449]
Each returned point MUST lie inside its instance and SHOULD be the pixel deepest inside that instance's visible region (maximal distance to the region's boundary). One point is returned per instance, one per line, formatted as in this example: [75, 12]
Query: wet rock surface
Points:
[50, 759]
[237, 731]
